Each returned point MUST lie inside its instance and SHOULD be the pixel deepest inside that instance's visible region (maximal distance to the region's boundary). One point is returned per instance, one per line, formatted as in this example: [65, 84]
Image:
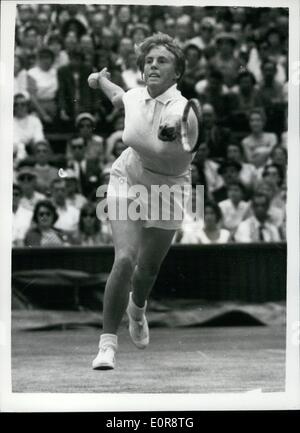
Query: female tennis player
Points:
[155, 156]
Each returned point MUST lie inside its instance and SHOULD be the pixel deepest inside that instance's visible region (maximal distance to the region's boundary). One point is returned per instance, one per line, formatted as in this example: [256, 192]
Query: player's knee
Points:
[125, 261]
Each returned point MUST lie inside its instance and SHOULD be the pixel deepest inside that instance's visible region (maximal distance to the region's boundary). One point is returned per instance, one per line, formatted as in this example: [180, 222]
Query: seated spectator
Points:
[259, 144]
[183, 30]
[275, 177]
[77, 13]
[214, 135]
[55, 43]
[212, 91]
[279, 156]
[121, 21]
[276, 214]
[257, 227]
[21, 218]
[74, 198]
[109, 43]
[30, 44]
[193, 217]
[87, 171]
[276, 47]
[27, 127]
[45, 172]
[269, 90]
[25, 16]
[20, 76]
[132, 75]
[70, 43]
[125, 47]
[27, 181]
[44, 233]
[246, 98]
[139, 32]
[89, 232]
[205, 40]
[43, 86]
[194, 71]
[198, 177]
[208, 167]
[170, 27]
[230, 171]
[234, 209]
[44, 26]
[157, 23]
[74, 94]
[85, 124]
[87, 47]
[68, 215]
[76, 21]
[257, 56]
[224, 60]
[97, 24]
[248, 174]
[211, 233]
[115, 146]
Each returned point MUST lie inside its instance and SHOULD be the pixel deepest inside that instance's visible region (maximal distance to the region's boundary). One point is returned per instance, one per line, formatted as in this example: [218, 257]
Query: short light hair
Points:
[161, 39]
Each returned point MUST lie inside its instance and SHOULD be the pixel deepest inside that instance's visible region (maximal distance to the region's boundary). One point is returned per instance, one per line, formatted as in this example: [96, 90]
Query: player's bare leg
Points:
[126, 237]
[154, 245]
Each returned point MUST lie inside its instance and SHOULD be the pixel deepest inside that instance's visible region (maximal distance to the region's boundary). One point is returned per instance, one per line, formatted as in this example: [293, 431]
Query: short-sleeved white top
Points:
[143, 116]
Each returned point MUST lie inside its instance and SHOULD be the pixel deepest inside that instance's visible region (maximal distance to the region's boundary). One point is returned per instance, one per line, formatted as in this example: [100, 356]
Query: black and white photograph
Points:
[150, 205]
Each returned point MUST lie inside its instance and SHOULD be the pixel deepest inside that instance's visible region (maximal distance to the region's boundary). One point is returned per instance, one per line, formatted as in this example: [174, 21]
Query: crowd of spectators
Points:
[66, 135]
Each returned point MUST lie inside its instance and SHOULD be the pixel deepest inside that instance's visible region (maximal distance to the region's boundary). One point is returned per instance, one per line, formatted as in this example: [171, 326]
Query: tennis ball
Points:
[93, 81]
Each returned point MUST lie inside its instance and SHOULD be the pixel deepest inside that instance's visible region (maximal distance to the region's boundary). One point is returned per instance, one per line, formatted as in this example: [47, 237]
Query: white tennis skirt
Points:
[156, 199]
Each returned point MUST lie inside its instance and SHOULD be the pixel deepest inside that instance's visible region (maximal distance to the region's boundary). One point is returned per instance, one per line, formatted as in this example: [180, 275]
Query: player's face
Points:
[160, 70]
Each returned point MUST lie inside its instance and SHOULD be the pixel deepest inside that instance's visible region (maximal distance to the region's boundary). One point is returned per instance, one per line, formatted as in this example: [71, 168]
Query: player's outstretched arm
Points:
[101, 80]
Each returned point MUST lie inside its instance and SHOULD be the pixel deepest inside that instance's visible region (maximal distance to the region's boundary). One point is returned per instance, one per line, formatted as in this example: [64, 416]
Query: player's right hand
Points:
[104, 73]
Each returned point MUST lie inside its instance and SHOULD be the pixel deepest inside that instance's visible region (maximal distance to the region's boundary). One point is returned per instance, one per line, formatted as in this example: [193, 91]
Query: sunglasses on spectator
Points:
[42, 214]
[25, 177]
[20, 104]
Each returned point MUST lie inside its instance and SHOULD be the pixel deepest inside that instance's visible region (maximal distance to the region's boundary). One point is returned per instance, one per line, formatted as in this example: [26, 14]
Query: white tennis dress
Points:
[149, 161]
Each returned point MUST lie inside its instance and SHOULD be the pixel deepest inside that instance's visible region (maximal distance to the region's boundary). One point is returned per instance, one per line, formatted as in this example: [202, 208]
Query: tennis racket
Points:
[189, 127]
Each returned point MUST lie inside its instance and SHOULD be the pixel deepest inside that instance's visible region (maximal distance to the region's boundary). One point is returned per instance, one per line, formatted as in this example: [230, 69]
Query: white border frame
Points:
[55, 402]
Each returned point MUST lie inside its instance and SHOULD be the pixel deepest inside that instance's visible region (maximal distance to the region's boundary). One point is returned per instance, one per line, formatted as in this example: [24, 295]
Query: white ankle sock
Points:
[109, 340]
[135, 311]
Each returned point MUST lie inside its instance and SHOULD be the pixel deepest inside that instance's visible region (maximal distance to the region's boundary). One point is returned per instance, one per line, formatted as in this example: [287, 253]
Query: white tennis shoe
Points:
[138, 328]
[106, 360]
